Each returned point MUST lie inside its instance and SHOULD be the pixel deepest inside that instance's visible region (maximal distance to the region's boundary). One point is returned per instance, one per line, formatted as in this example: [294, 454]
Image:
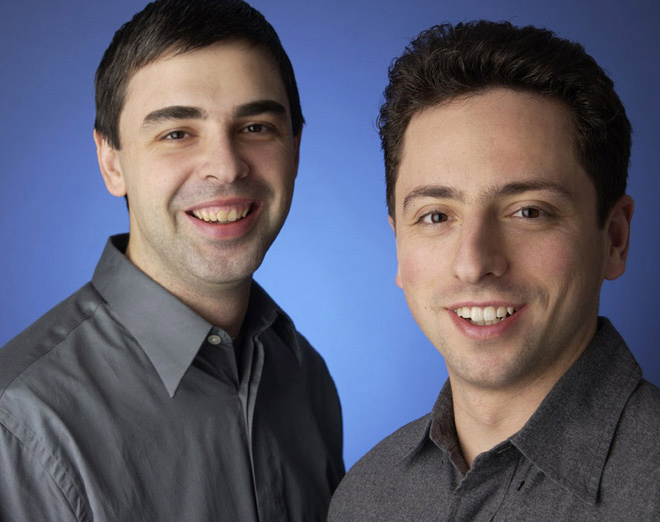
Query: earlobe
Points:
[109, 165]
[617, 228]
[390, 220]
[397, 278]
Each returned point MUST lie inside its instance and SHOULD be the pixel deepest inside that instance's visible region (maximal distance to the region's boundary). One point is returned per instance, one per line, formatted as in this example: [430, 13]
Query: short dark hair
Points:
[446, 62]
[182, 26]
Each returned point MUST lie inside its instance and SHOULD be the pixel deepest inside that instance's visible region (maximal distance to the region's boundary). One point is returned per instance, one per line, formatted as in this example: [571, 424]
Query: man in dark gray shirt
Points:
[506, 155]
[171, 387]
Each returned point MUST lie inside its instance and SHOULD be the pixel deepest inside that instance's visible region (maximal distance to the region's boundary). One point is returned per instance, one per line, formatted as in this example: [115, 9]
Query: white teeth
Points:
[477, 314]
[221, 216]
[484, 316]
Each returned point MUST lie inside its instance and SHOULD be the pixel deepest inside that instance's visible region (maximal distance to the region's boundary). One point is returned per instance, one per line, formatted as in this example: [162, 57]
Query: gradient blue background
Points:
[333, 266]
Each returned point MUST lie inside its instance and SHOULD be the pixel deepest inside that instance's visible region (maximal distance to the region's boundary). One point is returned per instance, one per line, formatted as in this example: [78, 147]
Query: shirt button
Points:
[214, 339]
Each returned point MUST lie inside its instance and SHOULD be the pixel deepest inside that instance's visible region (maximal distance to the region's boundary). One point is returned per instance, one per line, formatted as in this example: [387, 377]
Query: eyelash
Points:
[260, 127]
[253, 128]
[427, 218]
[169, 137]
[540, 213]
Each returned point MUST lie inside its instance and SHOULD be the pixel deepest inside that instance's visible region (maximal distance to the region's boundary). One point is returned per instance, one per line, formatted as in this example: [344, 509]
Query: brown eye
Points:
[530, 212]
[435, 217]
[176, 135]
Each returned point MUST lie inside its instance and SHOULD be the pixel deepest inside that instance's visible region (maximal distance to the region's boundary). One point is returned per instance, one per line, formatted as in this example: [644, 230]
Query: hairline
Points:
[180, 48]
[479, 91]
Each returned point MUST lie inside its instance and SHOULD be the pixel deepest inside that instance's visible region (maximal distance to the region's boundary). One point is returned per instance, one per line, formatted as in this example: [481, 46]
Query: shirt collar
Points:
[264, 313]
[439, 429]
[169, 332]
[570, 434]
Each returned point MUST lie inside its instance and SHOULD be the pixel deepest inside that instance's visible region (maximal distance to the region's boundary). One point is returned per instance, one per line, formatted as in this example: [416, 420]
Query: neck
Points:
[225, 308]
[222, 304]
[484, 418]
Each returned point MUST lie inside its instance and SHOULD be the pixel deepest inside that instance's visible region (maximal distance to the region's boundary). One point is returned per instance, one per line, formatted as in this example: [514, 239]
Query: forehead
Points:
[223, 74]
[483, 141]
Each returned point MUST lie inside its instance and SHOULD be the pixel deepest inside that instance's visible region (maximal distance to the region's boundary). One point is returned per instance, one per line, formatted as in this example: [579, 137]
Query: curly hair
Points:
[449, 61]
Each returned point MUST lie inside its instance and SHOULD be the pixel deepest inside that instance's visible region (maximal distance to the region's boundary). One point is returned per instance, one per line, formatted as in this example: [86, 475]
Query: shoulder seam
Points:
[54, 346]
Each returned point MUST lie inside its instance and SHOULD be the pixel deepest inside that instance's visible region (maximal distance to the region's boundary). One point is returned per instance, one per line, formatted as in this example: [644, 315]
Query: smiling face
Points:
[208, 161]
[500, 256]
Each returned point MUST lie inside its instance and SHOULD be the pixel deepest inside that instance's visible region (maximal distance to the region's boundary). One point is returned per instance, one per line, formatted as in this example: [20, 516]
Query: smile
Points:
[485, 316]
[222, 215]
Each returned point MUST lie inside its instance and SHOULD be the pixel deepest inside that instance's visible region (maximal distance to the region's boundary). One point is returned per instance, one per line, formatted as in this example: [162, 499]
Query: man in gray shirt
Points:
[506, 156]
[171, 387]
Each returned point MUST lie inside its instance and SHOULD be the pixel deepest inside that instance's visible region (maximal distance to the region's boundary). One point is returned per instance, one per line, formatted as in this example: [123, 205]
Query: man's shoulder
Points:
[379, 486]
[639, 426]
[377, 464]
[309, 355]
[47, 333]
[398, 445]
[630, 486]
[285, 329]
[645, 398]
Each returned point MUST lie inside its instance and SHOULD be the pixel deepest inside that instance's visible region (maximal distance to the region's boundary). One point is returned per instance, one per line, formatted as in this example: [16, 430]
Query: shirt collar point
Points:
[587, 404]
[172, 388]
[264, 307]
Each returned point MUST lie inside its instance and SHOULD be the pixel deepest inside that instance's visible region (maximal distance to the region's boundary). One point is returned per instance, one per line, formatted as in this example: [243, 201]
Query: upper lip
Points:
[219, 204]
[472, 304]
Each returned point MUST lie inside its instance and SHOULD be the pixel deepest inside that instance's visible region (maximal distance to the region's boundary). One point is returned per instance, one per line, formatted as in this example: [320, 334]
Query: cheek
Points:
[561, 264]
[272, 156]
[276, 168]
[419, 266]
[552, 257]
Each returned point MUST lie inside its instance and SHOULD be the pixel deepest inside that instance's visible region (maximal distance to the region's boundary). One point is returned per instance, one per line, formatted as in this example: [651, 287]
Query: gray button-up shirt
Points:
[122, 404]
[591, 452]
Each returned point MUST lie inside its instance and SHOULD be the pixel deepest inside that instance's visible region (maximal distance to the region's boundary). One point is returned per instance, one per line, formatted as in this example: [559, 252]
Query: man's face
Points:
[208, 161]
[500, 256]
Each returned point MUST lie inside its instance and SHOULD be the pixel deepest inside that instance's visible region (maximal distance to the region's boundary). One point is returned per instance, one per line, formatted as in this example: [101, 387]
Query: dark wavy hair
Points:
[448, 61]
[182, 26]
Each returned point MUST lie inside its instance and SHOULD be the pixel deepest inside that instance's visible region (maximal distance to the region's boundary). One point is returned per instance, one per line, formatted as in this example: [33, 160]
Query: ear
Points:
[617, 228]
[397, 278]
[109, 165]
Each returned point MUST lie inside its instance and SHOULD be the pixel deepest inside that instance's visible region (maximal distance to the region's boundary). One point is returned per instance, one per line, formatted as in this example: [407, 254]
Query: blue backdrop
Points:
[333, 266]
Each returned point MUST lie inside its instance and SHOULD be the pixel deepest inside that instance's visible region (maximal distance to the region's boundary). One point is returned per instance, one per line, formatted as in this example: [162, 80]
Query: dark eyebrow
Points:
[175, 112]
[510, 189]
[260, 107]
[513, 189]
[432, 191]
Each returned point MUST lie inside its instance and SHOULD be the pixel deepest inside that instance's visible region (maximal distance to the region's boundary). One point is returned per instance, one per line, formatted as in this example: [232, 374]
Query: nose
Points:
[223, 161]
[480, 251]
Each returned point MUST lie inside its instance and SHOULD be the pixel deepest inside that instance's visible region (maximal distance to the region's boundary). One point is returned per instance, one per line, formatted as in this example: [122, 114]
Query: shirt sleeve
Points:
[28, 492]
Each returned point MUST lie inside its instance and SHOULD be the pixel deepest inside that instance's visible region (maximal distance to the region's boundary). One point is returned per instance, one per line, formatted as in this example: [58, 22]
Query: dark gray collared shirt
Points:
[122, 404]
[591, 452]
